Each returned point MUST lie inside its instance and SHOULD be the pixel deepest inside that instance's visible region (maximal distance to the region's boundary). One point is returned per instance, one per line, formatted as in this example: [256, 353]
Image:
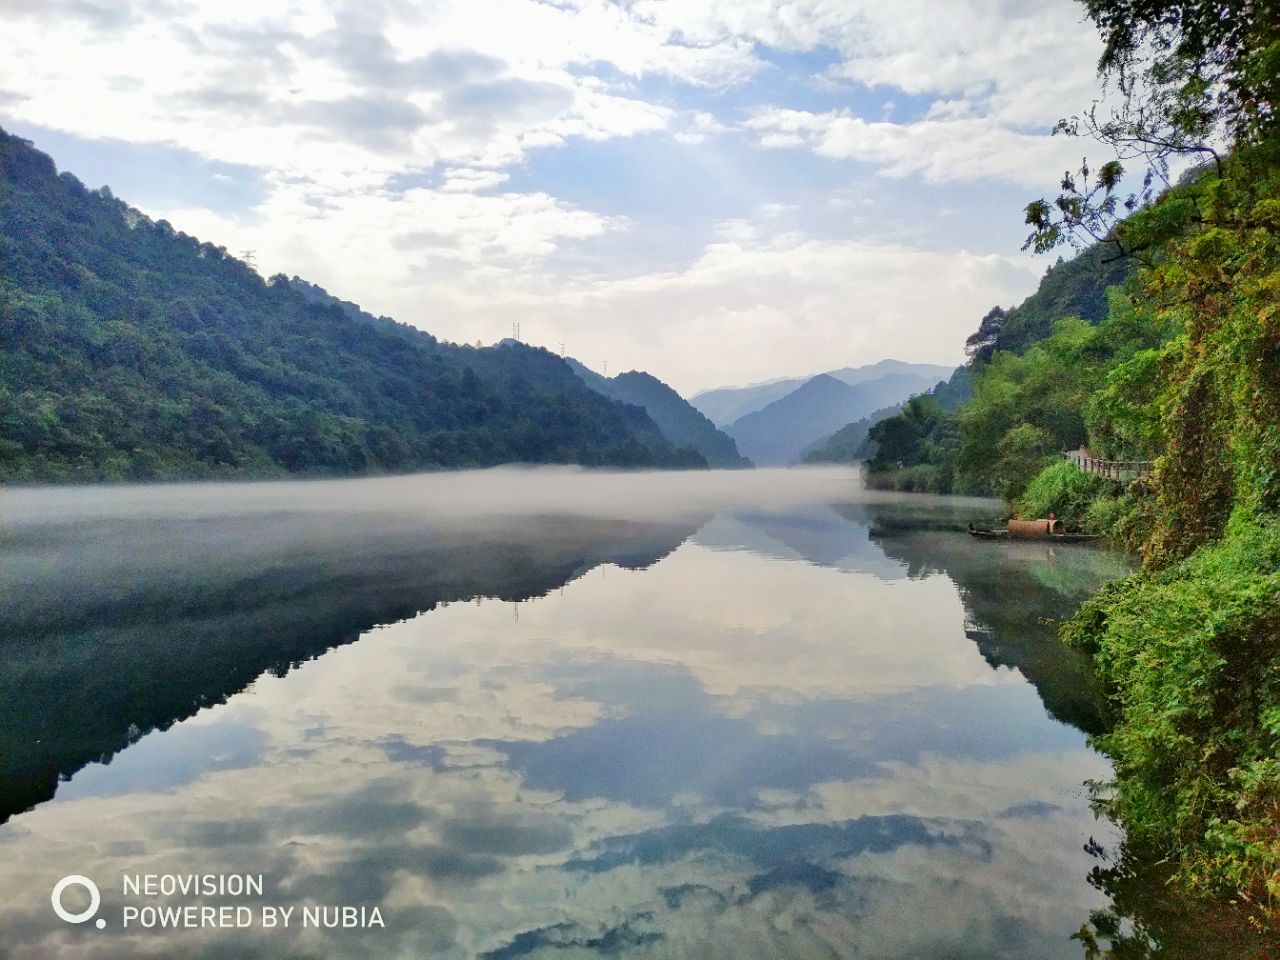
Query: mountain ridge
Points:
[680, 422]
[724, 405]
[780, 432]
[135, 352]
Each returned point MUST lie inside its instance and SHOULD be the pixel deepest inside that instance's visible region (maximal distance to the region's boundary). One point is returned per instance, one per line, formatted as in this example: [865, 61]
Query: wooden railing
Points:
[1111, 469]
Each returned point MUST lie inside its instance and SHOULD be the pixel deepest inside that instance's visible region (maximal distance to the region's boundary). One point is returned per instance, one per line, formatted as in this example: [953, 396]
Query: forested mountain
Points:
[679, 422]
[725, 405]
[950, 441]
[133, 351]
[780, 432]
[1070, 288]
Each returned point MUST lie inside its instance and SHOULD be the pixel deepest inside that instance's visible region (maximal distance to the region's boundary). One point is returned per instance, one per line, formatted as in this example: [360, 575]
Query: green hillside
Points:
[133, 351]
[1070, 288]
[992, 426]
[679, 422]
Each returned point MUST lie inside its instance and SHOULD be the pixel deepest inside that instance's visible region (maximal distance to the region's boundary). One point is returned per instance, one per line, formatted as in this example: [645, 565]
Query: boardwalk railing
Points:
[1111, 469]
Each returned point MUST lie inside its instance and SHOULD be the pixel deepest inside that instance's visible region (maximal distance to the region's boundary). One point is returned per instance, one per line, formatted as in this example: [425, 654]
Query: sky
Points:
[716, 191]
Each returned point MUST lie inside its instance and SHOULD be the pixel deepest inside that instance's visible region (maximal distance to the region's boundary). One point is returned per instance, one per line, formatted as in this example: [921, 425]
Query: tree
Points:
[1187, 78]
[984, 342]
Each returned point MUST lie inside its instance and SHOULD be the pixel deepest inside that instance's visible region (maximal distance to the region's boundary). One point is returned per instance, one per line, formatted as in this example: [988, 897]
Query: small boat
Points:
[988, 534]
[1042, 531]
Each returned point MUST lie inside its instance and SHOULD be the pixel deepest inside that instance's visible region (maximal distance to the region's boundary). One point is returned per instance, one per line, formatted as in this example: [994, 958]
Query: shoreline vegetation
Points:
[1159, 342]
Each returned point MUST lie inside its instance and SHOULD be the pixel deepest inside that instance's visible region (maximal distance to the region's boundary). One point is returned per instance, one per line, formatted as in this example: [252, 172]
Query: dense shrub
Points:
[1065, 491]
[1191, 660]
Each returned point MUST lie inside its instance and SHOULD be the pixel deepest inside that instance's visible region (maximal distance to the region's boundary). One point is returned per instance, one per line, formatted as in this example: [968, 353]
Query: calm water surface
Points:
[546, 714]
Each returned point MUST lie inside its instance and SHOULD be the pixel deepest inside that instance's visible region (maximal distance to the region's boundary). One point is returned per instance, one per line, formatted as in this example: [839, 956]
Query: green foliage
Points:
[1024, 396]
[1184, 369]
[1070, 288]
[1191, 659]
[1027, 408]
[915, 450]
[1191, 78]
[132, 351]
[923, 434]
[1151, 917]
[1189, 649]
[1126, 519]
[1219, 396]
[1020, 454]
[899, 439]
[1201, 63]
[850, 442]
[920, 478]
[1065, 491]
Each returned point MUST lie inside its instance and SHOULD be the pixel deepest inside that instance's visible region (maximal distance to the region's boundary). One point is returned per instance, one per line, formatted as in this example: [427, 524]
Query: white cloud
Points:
[310, 93]
[700, 126]
[1003, 72]
[339, 105]
[469, 180]
[756, 305]
[939, 149]
[1025, 58]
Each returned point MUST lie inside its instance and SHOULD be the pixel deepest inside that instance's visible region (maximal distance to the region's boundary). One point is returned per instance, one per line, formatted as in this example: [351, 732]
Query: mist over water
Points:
[451, 495]
[546, 713]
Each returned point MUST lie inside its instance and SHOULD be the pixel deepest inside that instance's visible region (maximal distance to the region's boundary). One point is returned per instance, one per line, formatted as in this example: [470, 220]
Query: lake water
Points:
[544, 713]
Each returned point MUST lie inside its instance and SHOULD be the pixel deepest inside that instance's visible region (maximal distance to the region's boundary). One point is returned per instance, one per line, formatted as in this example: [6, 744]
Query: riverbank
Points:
[1188, 658]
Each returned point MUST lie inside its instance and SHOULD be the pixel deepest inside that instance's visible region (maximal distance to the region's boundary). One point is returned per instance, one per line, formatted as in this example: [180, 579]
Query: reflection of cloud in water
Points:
[651, 760]
[772, 848]
[721, 756]
[165, 759]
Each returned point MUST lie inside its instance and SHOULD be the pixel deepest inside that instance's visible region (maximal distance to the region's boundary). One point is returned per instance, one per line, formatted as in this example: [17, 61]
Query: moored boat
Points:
[1032, 530]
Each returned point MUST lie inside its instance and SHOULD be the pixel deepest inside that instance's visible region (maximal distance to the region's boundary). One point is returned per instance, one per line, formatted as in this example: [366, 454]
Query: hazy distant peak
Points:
[822, 380]
[781, 430]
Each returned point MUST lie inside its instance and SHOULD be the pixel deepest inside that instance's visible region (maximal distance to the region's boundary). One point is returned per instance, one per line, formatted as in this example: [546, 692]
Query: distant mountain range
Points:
[849, 443]
[776, 422]
[724, 405]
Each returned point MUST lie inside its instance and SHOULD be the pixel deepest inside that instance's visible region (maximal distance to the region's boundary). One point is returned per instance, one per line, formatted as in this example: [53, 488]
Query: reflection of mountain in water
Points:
[723, 756]
[1014, 593]
[815, 534]
[121, 627]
